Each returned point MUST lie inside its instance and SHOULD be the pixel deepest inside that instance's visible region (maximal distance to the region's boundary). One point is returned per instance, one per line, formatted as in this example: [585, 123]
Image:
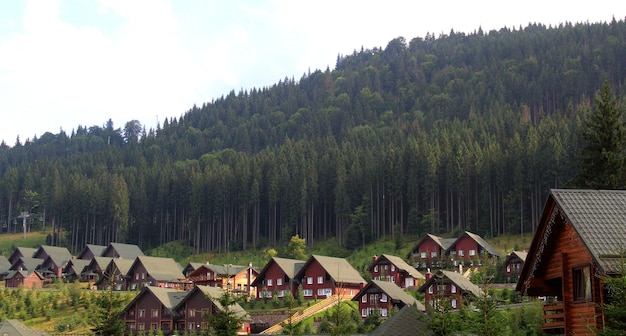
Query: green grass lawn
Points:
[9, 241]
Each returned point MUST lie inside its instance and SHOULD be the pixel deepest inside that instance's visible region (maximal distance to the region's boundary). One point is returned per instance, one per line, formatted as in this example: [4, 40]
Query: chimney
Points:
[374, 258]
[428, 275]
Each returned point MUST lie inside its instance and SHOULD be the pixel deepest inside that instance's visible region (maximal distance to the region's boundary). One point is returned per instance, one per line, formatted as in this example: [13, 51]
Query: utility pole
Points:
[23, 216]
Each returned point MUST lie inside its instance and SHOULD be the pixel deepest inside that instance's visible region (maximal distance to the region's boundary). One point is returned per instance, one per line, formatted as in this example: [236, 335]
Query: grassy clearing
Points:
[9, 241]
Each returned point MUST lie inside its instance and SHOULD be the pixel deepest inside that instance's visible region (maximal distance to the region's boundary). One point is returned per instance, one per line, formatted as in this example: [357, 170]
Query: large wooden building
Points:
[580, 238]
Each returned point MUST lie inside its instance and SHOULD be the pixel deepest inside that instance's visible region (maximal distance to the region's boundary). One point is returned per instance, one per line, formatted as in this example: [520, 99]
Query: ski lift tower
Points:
[23, 216]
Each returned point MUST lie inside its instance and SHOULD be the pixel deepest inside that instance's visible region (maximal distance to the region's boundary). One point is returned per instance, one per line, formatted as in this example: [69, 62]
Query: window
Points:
[281, 293]
[279, 281]
[155, 312]
[309, 280]
[154, 326]
[320, 280]
[142, 313]
[136, 276]
[383, 298]
[508, 268]
[452, 288]
[141, 326]
[383, 312]
[364, 298]
[453, 303]
[192, 313]
[143, 275]
[393, 267]
[581, 277]
[364, 312]
[461, 253]
[430, 289]
[270, 282]
[190, 325]
[376, 268]
[433, 254]
[423, 255]
[307, 292]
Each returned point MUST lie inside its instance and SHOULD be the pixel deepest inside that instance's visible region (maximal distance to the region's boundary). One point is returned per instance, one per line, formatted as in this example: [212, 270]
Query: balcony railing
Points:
[553, 317]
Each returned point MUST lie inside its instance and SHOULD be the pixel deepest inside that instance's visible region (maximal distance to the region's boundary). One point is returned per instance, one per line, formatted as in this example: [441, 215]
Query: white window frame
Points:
[472, 253]
[452, 288]
[383, 298]
[430, 289]
[433, 254]
[309, 280]
[461, 253]
[307, 292]
[320, 280]
[364, 298]
[375, 268]
[423, 255]
[270, 282]
[279, 281]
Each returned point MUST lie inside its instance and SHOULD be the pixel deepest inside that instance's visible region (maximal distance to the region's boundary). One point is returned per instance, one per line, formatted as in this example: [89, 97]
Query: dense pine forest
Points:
[428, 135]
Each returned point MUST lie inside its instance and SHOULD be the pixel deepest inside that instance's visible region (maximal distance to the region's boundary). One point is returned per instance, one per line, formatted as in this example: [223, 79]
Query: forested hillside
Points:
[434, 134]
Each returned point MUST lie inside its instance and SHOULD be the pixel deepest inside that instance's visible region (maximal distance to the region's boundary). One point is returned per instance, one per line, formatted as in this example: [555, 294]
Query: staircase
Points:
[312, 310]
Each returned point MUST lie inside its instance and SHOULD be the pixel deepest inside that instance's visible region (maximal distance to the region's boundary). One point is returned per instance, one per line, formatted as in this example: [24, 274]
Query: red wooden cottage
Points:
[471, 249]
[278, 277]
[24, 279]
[152, 310]
[381, 297]
[513, 265]
[90, 251]
[395, 269]
[21, 252]
[430, 252]
[95, 269]
[201, 301]
[579, 239]
[114, 274]
[322, 277]
[448, 287]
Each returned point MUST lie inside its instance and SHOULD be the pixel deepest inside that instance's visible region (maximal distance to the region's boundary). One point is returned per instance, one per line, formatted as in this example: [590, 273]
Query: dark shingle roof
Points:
[125, 251]
[403, 265]
[407, 321]
[599, 218]
[456, 278]
[478, 239]
[214, 293]
[28, 263]
[161, 269]
[77, 266]
[96, 250]
[16, 328]
[58, 254]
[339, 269]
[393, 291]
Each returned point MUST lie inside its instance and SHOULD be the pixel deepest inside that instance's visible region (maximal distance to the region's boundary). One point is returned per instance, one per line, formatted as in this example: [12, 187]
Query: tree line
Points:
[438, 135]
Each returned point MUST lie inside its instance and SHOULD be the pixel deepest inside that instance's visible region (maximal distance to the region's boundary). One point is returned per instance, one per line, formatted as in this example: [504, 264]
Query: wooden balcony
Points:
[553, 318]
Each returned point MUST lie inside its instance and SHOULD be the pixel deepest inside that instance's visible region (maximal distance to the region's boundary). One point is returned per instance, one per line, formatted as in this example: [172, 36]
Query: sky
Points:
[65, 63]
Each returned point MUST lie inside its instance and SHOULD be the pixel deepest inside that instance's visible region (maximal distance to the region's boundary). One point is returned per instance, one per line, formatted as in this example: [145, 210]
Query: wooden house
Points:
[470, 249]
[322, 277]
[192, 266]
[448, 287]
[430, 252]
[152, 310]
[513, 264]
[58, 254]
[95, 269]
[114, 274]
[395, 269]
[155, 271]
[20, 252]
[90, 251]
[24, 279]
[278, 278]
[381, 297]
[124, 251]
[580, 239]
[201, 301]
[236, 278]
[73, 270]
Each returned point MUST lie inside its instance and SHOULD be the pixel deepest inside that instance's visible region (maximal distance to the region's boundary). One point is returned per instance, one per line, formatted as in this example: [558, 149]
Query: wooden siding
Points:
[274, 272]
[427, 246]
[148, 313]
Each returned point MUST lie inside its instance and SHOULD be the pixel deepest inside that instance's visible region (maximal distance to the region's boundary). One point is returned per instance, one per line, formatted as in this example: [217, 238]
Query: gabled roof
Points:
[11, 274]
[160, 269]
[597, 216]
[515, 255]
[24, 252]
[213, 294]
[192, 266]
[444, 243]
[58, 254]
[28, 263]
[290, 267]
[76, 266]
[168, 297]
[339, 269]
[124, 251]
[123, 265]
[479, 240]
[96, 250]
[16, 328]
[226, 270]
[5, 264]
[456, 278]
[407, 321]
[400, 264]
[393, 291]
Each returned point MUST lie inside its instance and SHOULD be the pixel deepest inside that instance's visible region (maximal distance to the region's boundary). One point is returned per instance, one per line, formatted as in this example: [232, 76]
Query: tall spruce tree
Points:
[602, 157]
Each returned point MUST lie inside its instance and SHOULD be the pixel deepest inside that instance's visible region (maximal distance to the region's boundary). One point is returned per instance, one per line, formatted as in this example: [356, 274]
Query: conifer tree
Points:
[602, 157]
